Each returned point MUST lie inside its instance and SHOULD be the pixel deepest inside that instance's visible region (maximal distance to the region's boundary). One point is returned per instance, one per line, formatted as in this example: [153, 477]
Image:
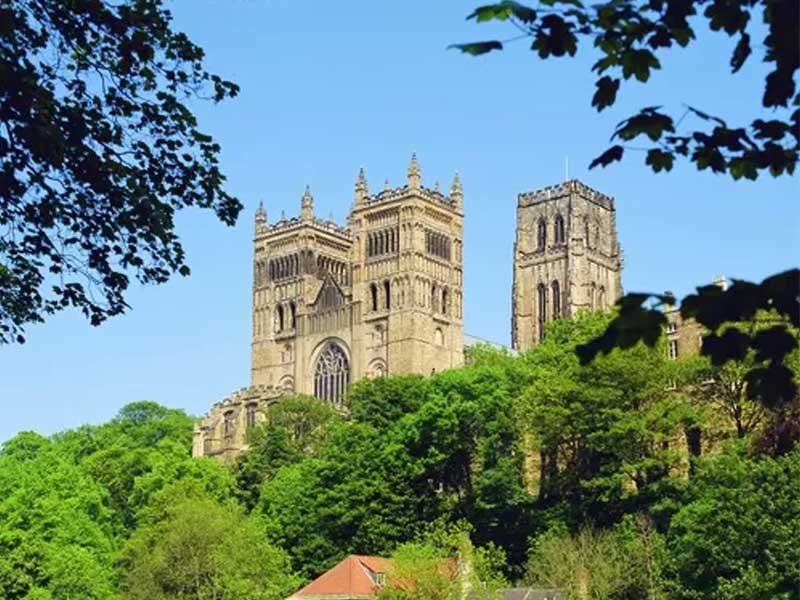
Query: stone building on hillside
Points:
[566, 257]
[333, 304]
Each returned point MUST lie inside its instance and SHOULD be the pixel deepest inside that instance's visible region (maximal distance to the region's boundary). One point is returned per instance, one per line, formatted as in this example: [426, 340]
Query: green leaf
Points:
[606, 93]
[611, 155]
[477, 48]
[660, 160]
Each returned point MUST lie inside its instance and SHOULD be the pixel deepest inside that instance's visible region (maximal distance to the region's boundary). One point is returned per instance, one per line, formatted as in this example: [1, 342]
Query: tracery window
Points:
[250, 416]
[331, 374]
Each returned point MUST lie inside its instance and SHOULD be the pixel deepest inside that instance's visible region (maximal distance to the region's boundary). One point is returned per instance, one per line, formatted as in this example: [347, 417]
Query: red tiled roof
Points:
[351, 578]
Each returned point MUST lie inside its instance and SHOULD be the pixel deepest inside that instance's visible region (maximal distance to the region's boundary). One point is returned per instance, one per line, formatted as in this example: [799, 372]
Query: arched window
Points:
[387, 294]
[438, 337]
[279, 318]
[434, 299]
[250, 416]
[373, 291]
[293, 314]
[331, 374]
[560, 234]
[601, 298]
[542, 309]
[445, 302]
[556, 299]
[542, 235]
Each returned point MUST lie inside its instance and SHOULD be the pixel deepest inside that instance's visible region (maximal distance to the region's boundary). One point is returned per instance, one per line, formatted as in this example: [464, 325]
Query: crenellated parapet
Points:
[565, 189]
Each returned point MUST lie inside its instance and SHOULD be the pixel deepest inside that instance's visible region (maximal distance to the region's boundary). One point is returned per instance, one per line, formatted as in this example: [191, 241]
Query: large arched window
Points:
[542, 309]
[556, 299]
[331, 374]
[560, 234]
[541, 237]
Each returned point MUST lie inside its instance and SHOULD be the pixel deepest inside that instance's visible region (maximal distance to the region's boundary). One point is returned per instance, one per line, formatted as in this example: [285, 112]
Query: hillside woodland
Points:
[631, 477]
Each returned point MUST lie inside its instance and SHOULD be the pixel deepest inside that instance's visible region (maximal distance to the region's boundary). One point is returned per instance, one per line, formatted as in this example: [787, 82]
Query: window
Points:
[601, 298]
[373, 290]
[438, 337]
[293, 313]
[542, 235]
[673, 349]
[559, 230]
[556, 299]
[331, 374]
[672, 327]
[445, 302]
[250, 416]
[387, 294]
[542, 298]
[592, 296]
[227, 424]
[278, 319]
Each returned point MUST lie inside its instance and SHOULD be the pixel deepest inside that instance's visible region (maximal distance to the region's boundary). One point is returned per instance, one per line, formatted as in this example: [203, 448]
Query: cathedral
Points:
[382, 295]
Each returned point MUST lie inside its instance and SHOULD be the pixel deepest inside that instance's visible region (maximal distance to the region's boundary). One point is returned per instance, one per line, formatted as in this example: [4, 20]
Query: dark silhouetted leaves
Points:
[629, 38]
[98, 151]
[612, 154]
[478, 48]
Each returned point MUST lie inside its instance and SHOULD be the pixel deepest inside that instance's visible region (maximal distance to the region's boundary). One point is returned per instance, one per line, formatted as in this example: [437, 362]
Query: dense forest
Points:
[634, 476]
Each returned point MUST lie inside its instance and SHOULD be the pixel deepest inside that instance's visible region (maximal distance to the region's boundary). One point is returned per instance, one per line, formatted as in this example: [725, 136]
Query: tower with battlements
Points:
[566, 258]
[333, 304]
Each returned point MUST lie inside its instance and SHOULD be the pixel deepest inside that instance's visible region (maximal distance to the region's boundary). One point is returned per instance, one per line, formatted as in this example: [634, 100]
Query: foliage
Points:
[630, 37]
[607, 430]
[444, 565]
[201, 548]
[293, 429]
[98, 150]
[736, 536]
[623, 562]
[771, 379]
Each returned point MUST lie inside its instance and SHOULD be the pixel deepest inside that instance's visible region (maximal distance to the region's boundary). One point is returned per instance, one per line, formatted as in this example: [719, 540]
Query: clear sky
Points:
[328, 87]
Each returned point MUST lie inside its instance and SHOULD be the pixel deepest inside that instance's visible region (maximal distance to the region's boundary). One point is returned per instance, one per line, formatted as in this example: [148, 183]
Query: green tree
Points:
[623, 562]
[630, 36]
[56, 529]
[736, 536]
[98, 150]
[293, 429]
[199, 549]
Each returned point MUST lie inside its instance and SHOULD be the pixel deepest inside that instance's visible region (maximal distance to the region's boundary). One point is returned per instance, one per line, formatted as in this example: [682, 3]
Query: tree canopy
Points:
[98, 150]
[630, 36]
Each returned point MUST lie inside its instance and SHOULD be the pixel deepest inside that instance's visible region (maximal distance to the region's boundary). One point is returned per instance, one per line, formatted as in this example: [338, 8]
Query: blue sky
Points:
[329, 87]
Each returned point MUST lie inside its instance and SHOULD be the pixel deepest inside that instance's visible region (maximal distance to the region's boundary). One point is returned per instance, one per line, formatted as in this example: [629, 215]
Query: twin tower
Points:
[383, 294]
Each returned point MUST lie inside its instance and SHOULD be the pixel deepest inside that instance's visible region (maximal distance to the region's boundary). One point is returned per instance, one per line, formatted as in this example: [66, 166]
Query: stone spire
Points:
[386, 186]
[307, 205]
[362, 191]
[414, 177]
[261, 217]
[457, 191]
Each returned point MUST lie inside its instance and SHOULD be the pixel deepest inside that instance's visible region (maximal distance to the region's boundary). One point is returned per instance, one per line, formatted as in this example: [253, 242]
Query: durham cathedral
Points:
[383, 294]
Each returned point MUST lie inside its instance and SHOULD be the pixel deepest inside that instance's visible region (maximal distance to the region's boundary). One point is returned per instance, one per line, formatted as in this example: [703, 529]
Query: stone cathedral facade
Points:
[382, 294]
[566, 258]
[333, 304]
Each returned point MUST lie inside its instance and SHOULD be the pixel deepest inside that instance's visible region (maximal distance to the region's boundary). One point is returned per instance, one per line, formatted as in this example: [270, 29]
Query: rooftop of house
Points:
[354, 578]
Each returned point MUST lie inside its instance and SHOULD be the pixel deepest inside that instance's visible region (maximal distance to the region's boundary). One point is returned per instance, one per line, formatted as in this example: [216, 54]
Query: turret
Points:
[362, 191]
[307, 206]
[261, 218]
[457, 191]
[414, 176]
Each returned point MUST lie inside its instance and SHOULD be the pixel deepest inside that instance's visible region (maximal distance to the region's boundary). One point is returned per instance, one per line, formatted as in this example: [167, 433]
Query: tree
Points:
[631, 35]
[203, 549]
[736, 536]
[772, 351]
[623, 562]
[98, 150]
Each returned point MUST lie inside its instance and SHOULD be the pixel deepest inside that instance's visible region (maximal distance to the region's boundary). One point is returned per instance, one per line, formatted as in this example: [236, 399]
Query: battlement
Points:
[404, 191]
[286, 225]
[559, 190]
